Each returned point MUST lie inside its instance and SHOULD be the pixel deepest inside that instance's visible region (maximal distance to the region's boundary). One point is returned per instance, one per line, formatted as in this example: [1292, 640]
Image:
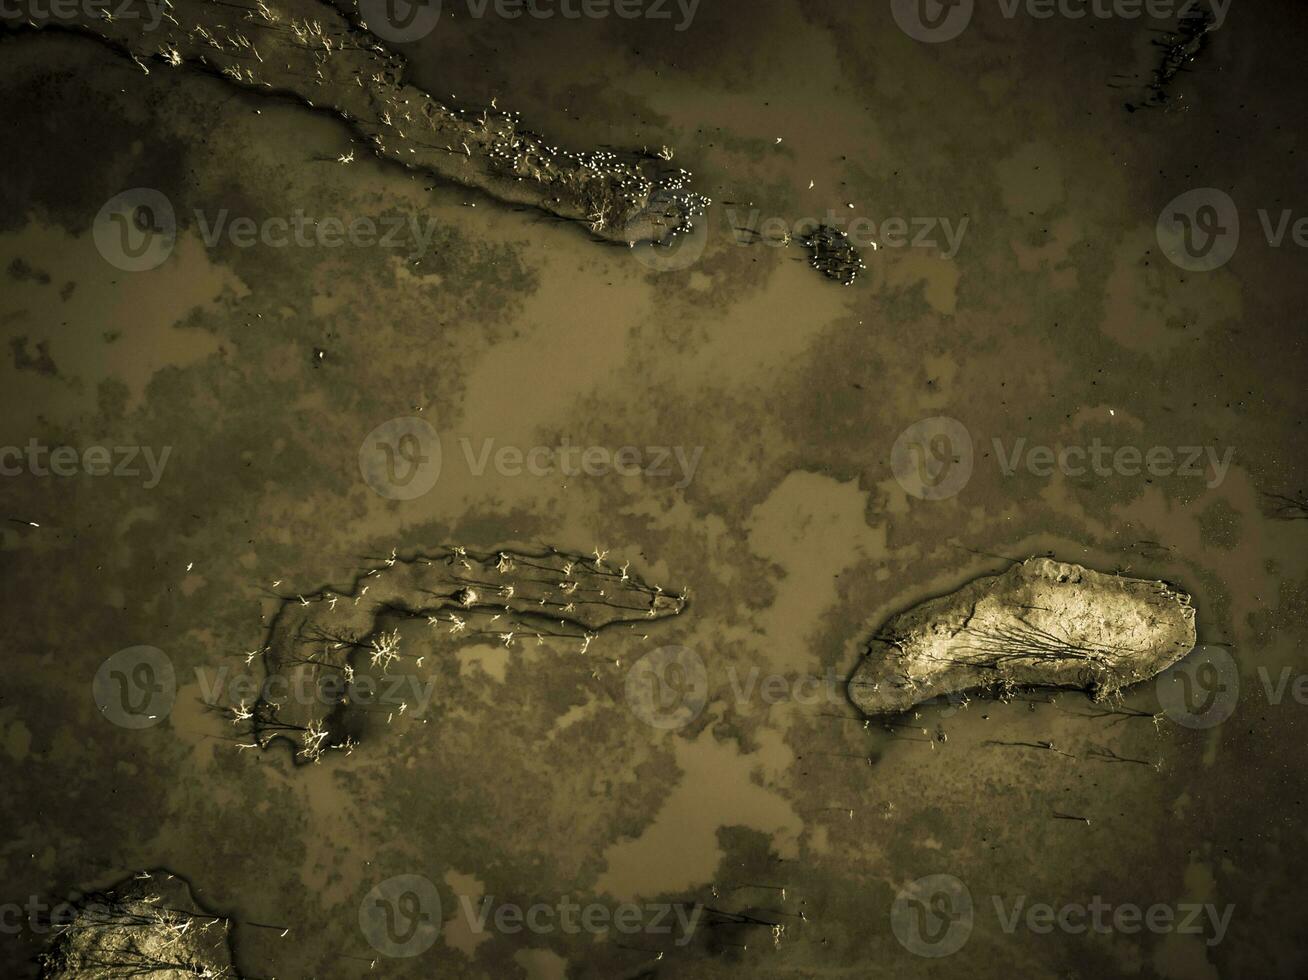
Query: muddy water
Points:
[529, 778]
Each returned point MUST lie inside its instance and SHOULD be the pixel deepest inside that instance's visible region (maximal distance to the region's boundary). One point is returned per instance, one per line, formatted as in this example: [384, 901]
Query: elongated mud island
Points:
[318, 642]
[1042, 623]
[309, 51]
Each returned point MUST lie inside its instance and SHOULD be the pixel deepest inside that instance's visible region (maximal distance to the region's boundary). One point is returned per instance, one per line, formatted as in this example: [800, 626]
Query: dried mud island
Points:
[147, 926]
[833, 254]
[311, 52]
[1042, 623]
[318, 642]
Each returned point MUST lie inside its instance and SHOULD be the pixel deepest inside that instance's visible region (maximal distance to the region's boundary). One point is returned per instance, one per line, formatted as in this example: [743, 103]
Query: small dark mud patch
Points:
[833, 254]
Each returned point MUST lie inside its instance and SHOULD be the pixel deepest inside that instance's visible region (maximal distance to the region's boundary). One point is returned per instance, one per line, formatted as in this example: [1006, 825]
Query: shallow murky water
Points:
[741, 414]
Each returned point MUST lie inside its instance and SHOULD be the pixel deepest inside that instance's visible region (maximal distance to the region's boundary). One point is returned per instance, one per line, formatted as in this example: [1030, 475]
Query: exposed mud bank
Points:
[149, 925]
[317, 642]
[309, 51]
[1042, 623]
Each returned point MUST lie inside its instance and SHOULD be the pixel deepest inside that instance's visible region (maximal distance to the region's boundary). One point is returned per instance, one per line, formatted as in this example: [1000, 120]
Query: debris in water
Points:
[833, 254]
[1042, 623]
[1179, 49]
[1286, 506]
